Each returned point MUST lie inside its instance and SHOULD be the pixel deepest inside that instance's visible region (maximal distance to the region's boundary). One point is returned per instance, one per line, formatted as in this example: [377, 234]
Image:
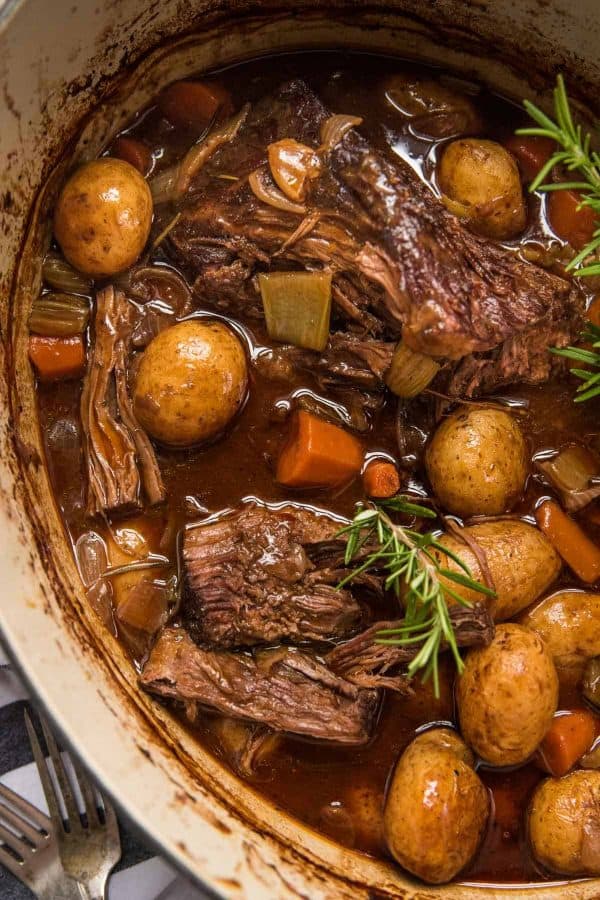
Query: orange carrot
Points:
[571, 734]
[133, 152]
[55, 358]
[531, 153]
[572, 224]
[575, 547]
[192, 104]
[318, 454]
[593, 312]
[381, 479]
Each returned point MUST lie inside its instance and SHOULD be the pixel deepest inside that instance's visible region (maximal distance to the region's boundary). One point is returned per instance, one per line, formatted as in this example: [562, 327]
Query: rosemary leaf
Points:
[405, 557]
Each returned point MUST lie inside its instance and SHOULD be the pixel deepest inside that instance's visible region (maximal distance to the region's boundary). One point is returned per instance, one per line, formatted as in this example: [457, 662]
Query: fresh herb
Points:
[574, 154]
[407, 558]
[591, 380]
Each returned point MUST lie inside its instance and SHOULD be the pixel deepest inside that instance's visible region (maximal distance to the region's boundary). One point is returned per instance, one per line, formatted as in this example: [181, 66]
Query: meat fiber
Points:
[119, 458]
[262, 575]
[367, 663]
[401, 263]
[285, 689]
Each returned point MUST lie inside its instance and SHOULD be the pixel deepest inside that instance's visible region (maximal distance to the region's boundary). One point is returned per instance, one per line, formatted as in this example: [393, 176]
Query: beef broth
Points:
[480, 305]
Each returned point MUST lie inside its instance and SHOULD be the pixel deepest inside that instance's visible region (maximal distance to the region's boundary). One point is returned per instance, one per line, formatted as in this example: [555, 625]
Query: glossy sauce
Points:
[338, 791]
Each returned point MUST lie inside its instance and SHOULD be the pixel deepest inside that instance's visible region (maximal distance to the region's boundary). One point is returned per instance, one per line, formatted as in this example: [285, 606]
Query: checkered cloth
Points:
[139, 876]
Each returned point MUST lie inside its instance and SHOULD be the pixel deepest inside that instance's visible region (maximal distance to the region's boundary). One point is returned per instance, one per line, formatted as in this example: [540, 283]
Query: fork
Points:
[29, 849]
[89, 845]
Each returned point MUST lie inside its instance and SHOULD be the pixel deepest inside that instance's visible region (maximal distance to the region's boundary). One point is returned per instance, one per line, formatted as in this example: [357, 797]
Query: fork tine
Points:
[87, 792]
[13, 842]
[9, 862]
[71, 807]
[25, 808]
[40, 761]
[23, 827]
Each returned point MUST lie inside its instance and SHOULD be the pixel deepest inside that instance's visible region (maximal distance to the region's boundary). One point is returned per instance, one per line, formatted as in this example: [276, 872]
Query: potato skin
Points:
[191, 381]
[436, 808]
[103, 217]
[477, 462]
[522, 561]
[563, 823]
[507, 696]
[481, 183]
[569, 624]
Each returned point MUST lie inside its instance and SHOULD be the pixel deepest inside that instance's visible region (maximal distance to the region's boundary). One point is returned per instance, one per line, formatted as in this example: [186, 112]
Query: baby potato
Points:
[569, 624]
[522, 562]
[563, 822]
[103, 217]
[480, 182]
[436, 809]
[477, 461]
[191, 381]
[507, 696]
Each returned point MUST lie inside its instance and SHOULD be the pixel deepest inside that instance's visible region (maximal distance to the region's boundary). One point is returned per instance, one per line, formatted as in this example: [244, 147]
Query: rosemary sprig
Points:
[591, 380]
[574, 154]
[406, 556]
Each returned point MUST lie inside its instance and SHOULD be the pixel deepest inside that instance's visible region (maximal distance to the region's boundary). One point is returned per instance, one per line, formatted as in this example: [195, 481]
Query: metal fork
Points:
[89, 846]
[29, 849]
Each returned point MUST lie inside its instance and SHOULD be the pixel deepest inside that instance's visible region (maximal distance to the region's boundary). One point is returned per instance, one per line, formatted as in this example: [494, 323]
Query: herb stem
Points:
[405, 556]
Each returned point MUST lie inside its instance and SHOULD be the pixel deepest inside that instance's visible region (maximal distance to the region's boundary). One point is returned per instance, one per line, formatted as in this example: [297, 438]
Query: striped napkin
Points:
[139, 876]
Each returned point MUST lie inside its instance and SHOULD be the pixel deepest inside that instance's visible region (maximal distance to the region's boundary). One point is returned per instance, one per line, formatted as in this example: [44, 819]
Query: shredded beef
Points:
[401, 263]
[257, 576]
[119, 457]
[369, 664]
[286, 690]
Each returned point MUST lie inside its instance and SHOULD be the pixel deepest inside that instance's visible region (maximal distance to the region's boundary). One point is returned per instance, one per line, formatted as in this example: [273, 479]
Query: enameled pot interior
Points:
[208, 821]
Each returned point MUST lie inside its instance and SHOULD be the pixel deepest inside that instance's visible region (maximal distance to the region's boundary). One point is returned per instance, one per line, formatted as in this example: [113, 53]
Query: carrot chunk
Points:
[531, 153]
[381, 479]
[571, 223]
[318, 454]
[571, 734]
[575, 547]
[56, 358]
[133, 152]
[593, 312]
[192, 104]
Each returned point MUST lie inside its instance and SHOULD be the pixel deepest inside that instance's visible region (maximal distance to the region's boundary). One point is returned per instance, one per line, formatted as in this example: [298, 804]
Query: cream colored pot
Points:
[70, 70]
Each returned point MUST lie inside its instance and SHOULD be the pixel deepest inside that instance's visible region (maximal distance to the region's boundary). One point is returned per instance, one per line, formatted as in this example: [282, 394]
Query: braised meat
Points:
[262, 575]
[401, 262]
[367, 663]
[284, 689]
[119, 457]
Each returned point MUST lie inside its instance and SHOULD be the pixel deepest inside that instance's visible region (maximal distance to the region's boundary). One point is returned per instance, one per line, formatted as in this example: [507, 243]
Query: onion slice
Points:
[265, 190]
[571, 473]
[173, 182]
[199, 153]
[335, 128]
[297, 307]
[293, 165]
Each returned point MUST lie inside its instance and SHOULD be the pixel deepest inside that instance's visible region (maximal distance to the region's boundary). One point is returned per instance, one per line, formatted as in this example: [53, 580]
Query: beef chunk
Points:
[401, 263]
[258, 576]
[286, 690]
[371, 665]
[119, 457]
